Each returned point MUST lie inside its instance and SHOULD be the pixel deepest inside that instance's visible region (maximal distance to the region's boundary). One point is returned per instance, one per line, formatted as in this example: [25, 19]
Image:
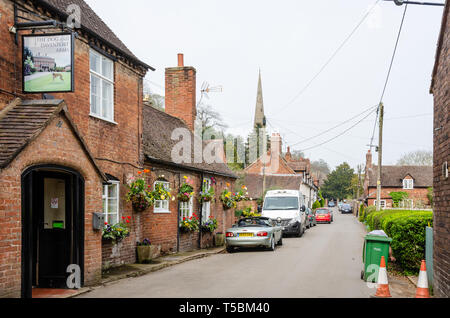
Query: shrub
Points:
[361, 213]
[407, 230]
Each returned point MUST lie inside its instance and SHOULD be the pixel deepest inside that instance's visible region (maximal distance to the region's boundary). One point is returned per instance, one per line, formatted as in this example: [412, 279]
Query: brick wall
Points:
[419, 195]
[54, 146]
[441, 94]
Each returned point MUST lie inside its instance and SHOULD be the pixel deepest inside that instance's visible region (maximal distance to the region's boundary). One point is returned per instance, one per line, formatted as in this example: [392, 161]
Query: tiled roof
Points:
[392, 176]
[22, 121]
[91, 22]
[158, 143]
[254, 183]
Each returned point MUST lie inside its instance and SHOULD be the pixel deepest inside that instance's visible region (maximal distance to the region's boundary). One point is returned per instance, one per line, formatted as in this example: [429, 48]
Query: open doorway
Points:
[52, 227]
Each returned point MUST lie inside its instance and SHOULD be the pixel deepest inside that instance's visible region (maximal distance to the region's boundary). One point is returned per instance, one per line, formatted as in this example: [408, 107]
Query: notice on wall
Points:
[47, 63]
[55, 203]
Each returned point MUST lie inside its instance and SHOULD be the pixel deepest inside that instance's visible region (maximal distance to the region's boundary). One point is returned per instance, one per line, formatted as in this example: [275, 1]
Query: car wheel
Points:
[230, 249]
[280, 242]
[272, 245]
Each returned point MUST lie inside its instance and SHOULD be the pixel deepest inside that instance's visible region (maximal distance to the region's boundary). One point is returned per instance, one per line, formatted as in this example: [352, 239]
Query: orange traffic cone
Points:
[383, 285]
[422, 285]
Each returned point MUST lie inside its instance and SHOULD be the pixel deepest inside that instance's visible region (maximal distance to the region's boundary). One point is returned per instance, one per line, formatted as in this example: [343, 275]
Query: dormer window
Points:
[408, 184]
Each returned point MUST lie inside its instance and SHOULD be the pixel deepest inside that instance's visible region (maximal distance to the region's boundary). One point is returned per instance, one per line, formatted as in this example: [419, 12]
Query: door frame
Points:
[27, 209]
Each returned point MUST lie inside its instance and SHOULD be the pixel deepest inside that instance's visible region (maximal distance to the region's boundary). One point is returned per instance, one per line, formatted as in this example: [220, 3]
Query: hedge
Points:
[407, 230]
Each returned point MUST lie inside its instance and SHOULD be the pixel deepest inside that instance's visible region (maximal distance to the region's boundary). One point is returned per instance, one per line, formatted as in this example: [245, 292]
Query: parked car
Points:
[288, 206]
[331, 204]
[346, 208]
[254, 232]
[324, 215]
[340, 204]
[311, 218]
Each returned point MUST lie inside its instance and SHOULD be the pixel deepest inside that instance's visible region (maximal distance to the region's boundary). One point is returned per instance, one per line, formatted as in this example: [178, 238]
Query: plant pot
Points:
[183, 198]
[206, 199]
[219, 239]
[144, 254]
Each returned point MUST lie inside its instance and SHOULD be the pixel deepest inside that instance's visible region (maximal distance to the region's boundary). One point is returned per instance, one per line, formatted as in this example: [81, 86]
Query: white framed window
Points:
[408, 184]
[102, 86]
[111, 202]
[206, 206]
[383, 203]
[186, 209]
[162, 206]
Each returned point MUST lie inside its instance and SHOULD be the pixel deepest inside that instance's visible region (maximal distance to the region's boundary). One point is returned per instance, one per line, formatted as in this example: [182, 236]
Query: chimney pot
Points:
[180, 60]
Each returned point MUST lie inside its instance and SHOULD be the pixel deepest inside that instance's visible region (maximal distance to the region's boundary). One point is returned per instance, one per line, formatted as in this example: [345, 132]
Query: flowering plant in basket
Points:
[139, 194]
[186, 190]
[206, 195]
[190, 224]
[227, 199]
[210, 225]
[117, 232]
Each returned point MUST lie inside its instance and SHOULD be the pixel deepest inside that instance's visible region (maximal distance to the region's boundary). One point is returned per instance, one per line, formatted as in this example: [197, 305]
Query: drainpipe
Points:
[178, 216]
[201, 213]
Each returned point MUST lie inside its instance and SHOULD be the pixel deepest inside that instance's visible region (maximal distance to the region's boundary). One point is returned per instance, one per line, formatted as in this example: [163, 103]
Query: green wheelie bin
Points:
[374, 248]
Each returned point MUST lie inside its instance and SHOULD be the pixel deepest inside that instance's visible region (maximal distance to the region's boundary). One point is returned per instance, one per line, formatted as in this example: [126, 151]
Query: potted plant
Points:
[207, 195]
[186, 191]
[144, 251]
[210, 225]
[160, 193]
[139, 194]
[117, 232]
[191, 224]
[227, 199]
[242, 195]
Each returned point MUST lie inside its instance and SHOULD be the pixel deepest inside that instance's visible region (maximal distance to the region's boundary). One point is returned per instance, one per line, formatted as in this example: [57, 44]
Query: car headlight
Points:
[293, 221]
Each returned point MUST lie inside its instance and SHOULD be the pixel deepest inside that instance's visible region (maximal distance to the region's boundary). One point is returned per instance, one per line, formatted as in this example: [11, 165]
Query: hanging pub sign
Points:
[48, 63]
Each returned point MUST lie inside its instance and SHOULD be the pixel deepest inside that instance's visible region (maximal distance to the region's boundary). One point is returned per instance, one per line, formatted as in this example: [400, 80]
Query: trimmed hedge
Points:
[407, 230]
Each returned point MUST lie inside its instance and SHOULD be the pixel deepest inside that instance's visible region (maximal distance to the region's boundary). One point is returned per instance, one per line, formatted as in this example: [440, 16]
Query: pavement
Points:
[325, 263]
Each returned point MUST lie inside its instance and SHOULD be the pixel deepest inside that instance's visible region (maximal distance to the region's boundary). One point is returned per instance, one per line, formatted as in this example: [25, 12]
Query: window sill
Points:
[104, 119]
[161, 212]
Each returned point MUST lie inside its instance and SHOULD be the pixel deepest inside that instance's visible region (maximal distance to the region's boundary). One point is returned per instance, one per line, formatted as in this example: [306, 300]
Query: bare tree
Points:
[211, 119]
[416, 158]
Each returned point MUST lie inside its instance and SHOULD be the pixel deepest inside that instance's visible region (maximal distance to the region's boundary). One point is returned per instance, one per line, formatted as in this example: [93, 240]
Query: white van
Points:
[288, 207]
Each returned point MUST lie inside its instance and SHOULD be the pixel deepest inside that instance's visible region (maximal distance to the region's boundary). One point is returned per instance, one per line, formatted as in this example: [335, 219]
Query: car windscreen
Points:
[281, 203]
[254, 223]
[347, 206]
[322, 211]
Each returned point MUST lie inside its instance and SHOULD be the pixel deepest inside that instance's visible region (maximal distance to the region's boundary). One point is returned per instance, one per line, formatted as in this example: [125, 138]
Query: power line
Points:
[341, 134]
[303, 90]
[337, 126]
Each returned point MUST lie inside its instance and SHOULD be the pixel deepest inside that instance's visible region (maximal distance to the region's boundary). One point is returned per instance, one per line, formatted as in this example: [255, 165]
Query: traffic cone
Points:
[422, 285]
[383, 285]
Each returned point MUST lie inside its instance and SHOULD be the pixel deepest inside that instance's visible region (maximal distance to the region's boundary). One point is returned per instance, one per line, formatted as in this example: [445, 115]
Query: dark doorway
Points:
[52, 226]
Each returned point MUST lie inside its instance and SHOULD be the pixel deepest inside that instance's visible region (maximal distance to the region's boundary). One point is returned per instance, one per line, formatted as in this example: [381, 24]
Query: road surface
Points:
[325, 262]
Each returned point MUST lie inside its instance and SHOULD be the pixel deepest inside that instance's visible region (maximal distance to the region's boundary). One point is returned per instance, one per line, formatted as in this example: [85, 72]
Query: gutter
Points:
[183, 167]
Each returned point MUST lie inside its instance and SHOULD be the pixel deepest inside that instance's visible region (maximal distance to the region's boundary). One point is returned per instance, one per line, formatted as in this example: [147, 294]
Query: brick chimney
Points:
[288, 156]
[276, 144]
[181, 92]
[369, 164]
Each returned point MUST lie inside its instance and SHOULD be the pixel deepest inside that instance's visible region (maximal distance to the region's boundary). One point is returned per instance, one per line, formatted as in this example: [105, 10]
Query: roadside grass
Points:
[46, 83]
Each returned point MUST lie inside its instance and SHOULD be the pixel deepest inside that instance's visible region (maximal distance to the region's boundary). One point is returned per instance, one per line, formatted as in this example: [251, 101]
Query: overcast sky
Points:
[290, 40]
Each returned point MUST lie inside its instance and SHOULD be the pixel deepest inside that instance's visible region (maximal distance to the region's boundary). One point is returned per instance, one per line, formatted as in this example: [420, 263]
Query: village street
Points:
[325, 262]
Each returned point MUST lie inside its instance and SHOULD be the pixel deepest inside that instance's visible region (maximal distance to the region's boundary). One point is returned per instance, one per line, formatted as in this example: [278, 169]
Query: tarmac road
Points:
[325, 262]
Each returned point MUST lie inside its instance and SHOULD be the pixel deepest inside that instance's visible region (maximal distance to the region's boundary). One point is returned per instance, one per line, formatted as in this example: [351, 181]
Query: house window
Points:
[206, 206]
[383, 203]
[186, 210]
[408, 184]
[162, 206]
[102, 86]
[111, 202]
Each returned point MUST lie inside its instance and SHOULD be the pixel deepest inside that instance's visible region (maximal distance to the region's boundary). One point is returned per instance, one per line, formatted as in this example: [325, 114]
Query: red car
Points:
[323, 216]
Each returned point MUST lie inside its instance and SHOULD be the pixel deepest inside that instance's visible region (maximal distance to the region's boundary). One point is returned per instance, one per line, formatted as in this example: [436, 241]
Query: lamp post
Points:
[402, 2]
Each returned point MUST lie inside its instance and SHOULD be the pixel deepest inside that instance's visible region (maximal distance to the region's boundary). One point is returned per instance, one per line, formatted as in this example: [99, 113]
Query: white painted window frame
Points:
[101, 78]
[206, 206]
[106, 199]
[383, 203]
[162, 210]
[187, 209]
[408, 184]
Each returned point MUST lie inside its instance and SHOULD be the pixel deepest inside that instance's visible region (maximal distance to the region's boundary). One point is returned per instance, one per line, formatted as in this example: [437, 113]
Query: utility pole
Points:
[380, 157]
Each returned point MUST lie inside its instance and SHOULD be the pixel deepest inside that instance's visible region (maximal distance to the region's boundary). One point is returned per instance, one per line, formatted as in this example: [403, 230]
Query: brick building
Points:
[413, 180]
[65, 157]
[440, 90]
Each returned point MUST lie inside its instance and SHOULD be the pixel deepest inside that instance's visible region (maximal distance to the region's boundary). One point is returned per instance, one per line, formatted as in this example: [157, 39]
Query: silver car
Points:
[254, 232]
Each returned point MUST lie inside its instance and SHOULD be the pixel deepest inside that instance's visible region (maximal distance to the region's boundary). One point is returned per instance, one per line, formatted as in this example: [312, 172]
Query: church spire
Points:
[260, 118]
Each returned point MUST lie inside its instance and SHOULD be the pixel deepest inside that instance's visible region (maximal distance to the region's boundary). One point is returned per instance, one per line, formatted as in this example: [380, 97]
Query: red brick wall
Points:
[418, 195]
[54, 146]
[180, 99]
[442, 154]
[117, 147]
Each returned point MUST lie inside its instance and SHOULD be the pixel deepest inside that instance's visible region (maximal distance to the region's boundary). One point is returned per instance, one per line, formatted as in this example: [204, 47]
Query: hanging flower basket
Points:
[191, 224]
[186, 191]
[227, 199]
[139, 195]
[140, 203]
[207, 196]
